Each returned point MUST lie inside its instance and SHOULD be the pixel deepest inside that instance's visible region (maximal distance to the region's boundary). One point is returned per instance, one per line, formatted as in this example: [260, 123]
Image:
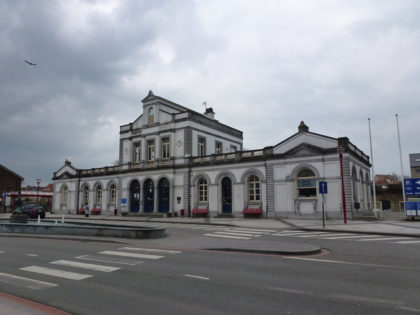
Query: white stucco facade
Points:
[175, 160]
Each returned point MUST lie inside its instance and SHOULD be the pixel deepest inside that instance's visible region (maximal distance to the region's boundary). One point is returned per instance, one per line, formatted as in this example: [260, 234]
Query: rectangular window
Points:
[233, 148]
[219, 148]
[151, 150]
[201, 146]
[136, 152]
[165, 148]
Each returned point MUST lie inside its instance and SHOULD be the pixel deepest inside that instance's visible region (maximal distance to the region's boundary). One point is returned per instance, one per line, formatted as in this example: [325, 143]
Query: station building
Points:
[173, 160]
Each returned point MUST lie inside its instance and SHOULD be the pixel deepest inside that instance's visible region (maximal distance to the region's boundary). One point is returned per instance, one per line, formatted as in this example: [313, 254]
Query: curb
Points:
[313, 251]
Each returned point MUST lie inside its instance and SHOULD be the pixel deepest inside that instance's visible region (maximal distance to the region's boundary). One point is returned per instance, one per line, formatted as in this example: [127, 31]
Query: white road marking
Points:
[299, 233]
[407, 242]
[367, 299]
[1, 251]
[327, 235]
[77, 264]
[228, 236]
[347, 237]
[244, 231]
[254, 230]
[291, 291]
[143, 256]
[152, 250]
[410, 309]
[25, 282]
[110, 260]
[32, 255]
[233, 233]
[56, 273]
[197, 277]
[385, 239]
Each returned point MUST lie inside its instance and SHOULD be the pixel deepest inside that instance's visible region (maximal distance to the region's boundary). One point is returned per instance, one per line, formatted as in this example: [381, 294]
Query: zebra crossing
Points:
[348, 236]
[82, 267]
[238, 233]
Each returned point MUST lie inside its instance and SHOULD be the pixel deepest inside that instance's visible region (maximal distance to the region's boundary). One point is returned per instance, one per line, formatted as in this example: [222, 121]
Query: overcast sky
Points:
[262, 65]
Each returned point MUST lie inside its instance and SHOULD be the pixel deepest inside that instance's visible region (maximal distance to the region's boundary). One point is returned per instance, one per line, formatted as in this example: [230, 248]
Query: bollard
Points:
[39, 219]
[62, 219]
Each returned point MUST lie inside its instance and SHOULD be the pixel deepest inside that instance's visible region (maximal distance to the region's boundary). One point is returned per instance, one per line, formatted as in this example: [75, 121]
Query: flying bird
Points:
[30, 63]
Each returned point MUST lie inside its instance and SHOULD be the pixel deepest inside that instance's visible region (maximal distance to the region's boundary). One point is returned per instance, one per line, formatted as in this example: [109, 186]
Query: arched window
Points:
[254, 194]
[306, 184]
[64, 195]
[98, 195]
[86, 195]
[202, 190]
[112, 194]
[151, 116]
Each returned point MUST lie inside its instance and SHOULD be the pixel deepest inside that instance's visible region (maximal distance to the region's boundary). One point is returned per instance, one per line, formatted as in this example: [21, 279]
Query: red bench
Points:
[81, 211]
[252, 212]
[96, 211]
[199, 212]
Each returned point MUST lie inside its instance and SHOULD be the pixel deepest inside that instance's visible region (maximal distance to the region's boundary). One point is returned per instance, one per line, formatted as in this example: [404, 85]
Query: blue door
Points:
[149, 196]
[134, 196]
[163, 195]
[227, 195]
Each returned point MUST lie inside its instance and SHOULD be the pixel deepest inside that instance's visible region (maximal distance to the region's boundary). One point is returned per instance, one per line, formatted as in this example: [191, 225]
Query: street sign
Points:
[323, 187]
[412, 186]
[123, 202]
[412, 208]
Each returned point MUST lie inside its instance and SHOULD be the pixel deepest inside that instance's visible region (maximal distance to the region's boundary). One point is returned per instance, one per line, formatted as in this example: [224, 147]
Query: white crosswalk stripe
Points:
[76, 264]
[237, 233]
[228, 236]
[347, 236]
[56, 273]
[133, 255]
[151, 250]
[25, 282]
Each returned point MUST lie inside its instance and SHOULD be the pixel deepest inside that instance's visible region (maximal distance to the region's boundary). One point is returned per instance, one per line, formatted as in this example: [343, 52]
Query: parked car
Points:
[33, 211]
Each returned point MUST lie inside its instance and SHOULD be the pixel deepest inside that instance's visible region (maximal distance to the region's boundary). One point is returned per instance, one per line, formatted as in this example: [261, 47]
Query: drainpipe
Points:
[266, 191]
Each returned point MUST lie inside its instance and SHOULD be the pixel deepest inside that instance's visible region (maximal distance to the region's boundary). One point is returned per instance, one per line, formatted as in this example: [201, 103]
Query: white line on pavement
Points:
[56, 273]
[197, 277]
[110, 260]
[407, 242]
[152, 250]
[239, 234]
[299, 233]
[77, 264]
[244, 231]
[25, 282]
[227, 236]
[254, 230]
[385, 239]
[326, 235]
[32, 255]
[134, 255]
[347, 237]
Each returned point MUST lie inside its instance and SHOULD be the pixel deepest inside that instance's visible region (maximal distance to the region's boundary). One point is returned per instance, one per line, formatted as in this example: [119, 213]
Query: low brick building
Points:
[9, 180]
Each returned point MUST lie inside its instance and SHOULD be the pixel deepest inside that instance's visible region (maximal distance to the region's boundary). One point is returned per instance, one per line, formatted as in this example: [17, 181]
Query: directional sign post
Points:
[323, 189]
[412, 186]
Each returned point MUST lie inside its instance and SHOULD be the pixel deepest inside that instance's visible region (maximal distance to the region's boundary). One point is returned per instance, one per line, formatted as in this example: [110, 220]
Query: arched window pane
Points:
[306, 184]
[202, 190]
[113, 194]
[99, 195]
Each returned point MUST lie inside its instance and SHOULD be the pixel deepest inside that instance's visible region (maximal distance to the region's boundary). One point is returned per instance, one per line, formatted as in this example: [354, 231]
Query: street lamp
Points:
[343, 195]
[38, 181]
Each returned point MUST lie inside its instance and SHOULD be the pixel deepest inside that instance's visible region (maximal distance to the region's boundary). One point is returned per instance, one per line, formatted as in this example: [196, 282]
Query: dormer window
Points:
[151, 116]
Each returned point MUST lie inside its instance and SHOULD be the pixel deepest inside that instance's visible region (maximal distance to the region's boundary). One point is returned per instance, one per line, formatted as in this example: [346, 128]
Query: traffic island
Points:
[284, 249]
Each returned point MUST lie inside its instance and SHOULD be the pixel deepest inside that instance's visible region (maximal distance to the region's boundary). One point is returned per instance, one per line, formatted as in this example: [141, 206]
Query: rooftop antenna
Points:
[205, 105]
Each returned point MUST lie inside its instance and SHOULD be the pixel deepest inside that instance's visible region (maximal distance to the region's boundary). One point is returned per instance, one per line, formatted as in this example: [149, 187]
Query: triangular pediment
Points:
[313, 139]
[304, 149]
[66, 170]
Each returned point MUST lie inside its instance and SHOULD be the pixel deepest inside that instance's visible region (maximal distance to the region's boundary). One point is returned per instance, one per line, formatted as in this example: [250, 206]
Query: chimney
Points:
[209, 113]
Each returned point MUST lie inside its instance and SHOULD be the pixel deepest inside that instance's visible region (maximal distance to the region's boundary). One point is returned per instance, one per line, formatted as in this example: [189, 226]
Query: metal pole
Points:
[323, 211]
[343, 195]
[373, 169]
[401, 163]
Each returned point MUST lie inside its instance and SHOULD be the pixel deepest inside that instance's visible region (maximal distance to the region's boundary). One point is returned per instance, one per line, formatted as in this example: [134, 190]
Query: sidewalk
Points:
[400, 228]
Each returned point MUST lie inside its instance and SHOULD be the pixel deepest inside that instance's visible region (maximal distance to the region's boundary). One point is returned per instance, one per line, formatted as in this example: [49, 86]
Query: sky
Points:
[263, 66]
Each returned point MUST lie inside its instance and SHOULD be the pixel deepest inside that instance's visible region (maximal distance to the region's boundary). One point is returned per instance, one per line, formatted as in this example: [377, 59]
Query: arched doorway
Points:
[226, 195]
[149, 195]
[163, 189]
[134, 196]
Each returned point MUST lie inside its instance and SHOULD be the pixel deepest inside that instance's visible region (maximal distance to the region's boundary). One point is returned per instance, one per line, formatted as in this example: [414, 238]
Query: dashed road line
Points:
[197, 277]
[109, 260]
[151, 250]
[238, 234]
[228, 236]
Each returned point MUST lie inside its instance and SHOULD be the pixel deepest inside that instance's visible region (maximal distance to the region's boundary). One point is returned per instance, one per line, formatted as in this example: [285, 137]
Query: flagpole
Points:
[401, 163]
[373, 169]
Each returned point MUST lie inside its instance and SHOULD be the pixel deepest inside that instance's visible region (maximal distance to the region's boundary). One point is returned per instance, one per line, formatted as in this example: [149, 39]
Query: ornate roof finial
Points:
[302, 127]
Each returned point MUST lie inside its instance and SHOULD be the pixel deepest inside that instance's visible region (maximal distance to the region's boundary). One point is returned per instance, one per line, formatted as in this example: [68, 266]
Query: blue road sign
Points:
[412, 186]
[123, 202]
[323, 187]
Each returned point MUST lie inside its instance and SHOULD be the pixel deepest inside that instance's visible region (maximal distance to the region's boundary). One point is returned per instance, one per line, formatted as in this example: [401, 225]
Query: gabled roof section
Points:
[304, 149]
[4, 168]
[67, 170]
[304, 136]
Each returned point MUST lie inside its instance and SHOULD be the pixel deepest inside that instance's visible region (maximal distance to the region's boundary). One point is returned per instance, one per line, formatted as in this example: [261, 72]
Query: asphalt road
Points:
[177, 275]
